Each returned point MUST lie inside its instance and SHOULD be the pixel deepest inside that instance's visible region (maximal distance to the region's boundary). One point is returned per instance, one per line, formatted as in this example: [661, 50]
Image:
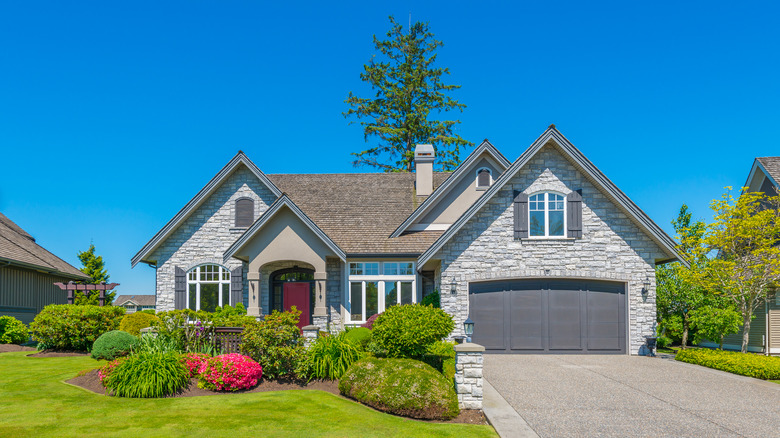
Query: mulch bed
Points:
[58, 353]
[91, 382]
[8, 348]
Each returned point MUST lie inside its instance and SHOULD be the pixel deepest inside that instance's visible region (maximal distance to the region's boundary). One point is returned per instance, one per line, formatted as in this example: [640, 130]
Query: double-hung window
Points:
[547, 215]
[376, 286]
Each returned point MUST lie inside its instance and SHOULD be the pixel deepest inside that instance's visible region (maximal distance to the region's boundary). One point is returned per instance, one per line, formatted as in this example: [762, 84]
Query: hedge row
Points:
[745, 364]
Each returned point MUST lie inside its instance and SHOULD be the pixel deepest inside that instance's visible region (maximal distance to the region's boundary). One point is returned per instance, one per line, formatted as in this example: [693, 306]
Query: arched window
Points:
[484, 178]
[208, 287]
[546, 215]
[245, 212]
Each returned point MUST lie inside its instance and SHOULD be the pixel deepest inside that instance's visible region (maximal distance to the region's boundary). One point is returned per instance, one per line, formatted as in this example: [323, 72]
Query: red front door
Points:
[298, 295]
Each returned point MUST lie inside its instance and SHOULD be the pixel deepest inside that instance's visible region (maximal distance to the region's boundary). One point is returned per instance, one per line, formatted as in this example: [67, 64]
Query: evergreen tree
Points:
[408, 90]
[93, 266]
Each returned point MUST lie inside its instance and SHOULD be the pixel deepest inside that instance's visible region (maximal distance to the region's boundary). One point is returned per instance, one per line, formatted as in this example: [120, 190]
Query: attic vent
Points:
[245, 212]
[484, 178]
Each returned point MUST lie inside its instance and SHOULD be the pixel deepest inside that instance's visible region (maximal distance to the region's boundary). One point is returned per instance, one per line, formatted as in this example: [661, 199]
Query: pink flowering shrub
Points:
[230, 372]
[106, 369]
[195, 362]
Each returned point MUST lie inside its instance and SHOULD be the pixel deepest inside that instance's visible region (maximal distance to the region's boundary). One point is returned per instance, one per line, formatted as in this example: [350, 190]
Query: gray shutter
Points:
[521, 215]
[574, 214]
[180, 291]
[237, 286]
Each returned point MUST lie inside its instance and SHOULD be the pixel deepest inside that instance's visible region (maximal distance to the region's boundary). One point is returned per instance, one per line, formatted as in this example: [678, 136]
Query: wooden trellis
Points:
[88, 289]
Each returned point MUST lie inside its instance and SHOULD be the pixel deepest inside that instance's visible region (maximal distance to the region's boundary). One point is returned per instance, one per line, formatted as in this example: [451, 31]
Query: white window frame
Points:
[223, 272]
[476, 177]
[547, 215]
[380, 278]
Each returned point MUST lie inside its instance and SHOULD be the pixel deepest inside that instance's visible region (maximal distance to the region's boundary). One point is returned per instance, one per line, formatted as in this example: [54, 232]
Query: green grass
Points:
[35, 401]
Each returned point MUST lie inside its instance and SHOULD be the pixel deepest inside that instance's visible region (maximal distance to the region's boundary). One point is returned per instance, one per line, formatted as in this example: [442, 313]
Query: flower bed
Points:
[230, 372]
[195, 362]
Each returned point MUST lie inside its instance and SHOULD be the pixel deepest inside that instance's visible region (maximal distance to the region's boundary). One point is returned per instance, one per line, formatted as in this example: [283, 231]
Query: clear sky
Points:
[112, 116]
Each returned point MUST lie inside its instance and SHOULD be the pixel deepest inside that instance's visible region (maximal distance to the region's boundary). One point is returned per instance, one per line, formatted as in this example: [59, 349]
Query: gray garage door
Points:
[549, 316]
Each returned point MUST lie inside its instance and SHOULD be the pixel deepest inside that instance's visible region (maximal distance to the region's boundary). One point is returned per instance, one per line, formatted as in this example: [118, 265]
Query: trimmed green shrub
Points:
[113, 344]
[330, 356]
[228, 316]
[432, 299]
[73, 327]
[441, 355]
[401, 386]
[360, 336]
[133, 322]
[12, 331]
[408, 330]
[149, 311]
[147, 375]
[745, 364]
[276, 344]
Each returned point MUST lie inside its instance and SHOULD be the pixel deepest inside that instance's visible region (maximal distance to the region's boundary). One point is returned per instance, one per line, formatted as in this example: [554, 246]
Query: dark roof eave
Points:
[48, 270]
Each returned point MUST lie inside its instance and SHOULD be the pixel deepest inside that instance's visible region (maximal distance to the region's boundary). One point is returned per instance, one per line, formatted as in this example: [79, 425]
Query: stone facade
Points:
[613, 247]
[468, 375]
[207, 233]
[334, 286]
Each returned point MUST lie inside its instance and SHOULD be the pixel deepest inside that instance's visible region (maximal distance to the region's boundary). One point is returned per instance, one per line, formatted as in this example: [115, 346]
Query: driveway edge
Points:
[504, 418]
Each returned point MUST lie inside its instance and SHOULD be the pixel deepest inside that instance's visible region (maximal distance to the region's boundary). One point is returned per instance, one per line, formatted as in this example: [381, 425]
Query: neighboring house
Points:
[135, 303]
[545, 254]
[28, 273]
[765, 327]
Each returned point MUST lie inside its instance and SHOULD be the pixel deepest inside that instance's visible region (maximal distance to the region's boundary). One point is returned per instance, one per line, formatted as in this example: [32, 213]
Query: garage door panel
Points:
[487, 312]
[526, 322]
[563, 318]
[604, 320]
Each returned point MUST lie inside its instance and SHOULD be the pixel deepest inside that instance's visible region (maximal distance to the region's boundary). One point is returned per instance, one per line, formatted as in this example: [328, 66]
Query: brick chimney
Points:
[424, 156]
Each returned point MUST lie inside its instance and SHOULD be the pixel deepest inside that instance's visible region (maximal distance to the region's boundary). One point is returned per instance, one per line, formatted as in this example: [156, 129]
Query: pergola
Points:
[88, 289]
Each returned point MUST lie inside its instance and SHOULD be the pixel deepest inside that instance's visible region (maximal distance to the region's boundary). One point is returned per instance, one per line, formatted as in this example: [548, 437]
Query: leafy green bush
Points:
[408, 330]
[113, 344]
[133, 322]
[432, 299]
[745, 364]
[12, 331]
[73, 327]
[147, 375]
[360, 336]
[149, 311]
[672, 328]
[401, 386]
[227, 316]
[441, 356]
[713, 323]
[663, 342]
[276, 344]
[330, 356]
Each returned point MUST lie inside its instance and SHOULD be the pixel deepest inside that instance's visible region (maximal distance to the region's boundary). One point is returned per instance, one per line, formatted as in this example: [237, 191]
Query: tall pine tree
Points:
[95, 268]
[408, 92]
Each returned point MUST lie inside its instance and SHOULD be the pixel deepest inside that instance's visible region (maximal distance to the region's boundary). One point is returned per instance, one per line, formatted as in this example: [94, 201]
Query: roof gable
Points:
[485, 148]
[589, 170]
[769, 167]
[276, 207]
[238, 160]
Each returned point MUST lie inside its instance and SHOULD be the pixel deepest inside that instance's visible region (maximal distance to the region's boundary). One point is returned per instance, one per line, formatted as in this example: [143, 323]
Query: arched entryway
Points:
[293, 287]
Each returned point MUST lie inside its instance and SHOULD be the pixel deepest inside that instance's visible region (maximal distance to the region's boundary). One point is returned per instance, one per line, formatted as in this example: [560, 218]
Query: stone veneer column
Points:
[468, 375]
[255, 308]
[320, 317]
[310, 334]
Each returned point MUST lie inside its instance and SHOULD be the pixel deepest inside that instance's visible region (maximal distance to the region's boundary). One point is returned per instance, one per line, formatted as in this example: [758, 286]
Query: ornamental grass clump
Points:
[230, 372]
[147, 375]
[330, 356]
[195, 362]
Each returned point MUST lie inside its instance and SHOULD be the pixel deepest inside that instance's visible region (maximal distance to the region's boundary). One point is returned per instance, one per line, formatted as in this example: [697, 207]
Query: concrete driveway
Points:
[625, 396]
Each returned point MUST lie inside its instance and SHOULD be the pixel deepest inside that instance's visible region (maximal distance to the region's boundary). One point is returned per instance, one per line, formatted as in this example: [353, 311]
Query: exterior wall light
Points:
[468, 328]
[454, 288]
[645, 289]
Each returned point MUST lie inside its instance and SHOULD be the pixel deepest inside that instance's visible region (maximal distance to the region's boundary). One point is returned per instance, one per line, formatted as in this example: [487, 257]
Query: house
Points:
[544, 254]
[28, 273]
[765, 327]
[135, 303]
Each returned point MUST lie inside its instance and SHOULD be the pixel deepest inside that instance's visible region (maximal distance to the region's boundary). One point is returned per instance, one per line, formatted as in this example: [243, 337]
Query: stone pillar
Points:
[468, 375]
[310, 334]
[255, 308]
[320, 317]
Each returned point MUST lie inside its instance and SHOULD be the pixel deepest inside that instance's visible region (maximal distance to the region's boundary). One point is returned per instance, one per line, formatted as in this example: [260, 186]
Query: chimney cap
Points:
[424, 151]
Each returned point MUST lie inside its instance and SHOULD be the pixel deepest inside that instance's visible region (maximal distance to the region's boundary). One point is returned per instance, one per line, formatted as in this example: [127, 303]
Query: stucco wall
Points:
[207, 233]
[612, 246]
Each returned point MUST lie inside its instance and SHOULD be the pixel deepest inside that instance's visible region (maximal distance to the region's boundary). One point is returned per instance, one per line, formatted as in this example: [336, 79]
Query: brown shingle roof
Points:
[141, 300]
[359, 211]
[772, 166]
[17, 246]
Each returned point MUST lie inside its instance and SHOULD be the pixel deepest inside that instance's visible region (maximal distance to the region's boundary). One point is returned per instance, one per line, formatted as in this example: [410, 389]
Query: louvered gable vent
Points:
[245, 212]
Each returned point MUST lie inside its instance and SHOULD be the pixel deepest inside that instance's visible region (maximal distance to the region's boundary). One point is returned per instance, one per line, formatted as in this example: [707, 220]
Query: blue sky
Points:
[113, 116]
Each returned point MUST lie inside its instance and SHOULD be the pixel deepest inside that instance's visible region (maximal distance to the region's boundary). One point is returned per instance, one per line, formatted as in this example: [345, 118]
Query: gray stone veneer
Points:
[612, 246]
[207, 233]
[334, 286]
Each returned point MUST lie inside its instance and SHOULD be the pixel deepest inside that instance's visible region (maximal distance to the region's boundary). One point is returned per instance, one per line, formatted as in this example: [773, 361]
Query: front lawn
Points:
[36, 402]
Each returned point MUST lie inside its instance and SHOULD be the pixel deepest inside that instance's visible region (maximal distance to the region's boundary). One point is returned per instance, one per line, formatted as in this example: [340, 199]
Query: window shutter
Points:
[180, 289]
[245, 212]
[521, 215]
[237, 286]
[483, 178]
[574, 214]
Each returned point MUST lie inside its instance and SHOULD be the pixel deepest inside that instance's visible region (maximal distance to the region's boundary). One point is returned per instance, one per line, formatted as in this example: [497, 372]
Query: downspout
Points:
[766, 326]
